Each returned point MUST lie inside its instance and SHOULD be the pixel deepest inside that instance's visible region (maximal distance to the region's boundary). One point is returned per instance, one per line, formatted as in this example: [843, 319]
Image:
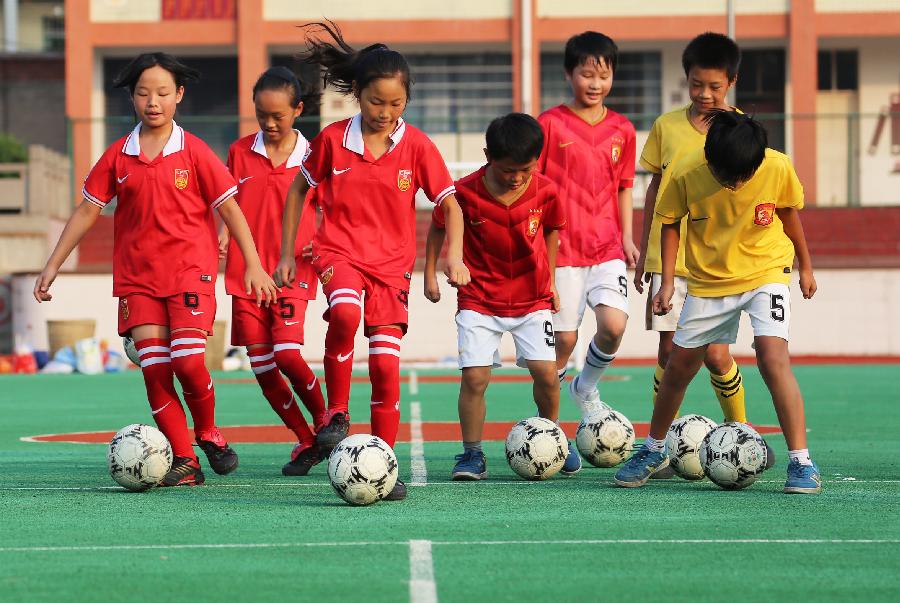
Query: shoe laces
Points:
[799, 470]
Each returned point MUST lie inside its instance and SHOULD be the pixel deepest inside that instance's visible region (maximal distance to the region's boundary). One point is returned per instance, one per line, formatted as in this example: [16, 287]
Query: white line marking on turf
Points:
[417, 446]
[422, 588]
[423, 572]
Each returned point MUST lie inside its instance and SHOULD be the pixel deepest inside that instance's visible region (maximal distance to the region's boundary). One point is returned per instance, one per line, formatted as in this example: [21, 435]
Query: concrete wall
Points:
[852, 314]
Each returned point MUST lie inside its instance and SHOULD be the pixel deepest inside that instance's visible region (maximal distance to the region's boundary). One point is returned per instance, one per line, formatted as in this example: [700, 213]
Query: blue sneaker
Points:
[573, 462]
[802, 479]
[470, 466]
[638, 469]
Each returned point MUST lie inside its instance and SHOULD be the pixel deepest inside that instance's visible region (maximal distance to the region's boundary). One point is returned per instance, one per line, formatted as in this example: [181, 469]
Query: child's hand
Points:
[457, 273]
[285, 272]
[807, 284]
[632, 253]
[662, 301]
[555, 299]
[257, 281]
[432, 289]
[640, 277]
[42, 284]
[223, 243]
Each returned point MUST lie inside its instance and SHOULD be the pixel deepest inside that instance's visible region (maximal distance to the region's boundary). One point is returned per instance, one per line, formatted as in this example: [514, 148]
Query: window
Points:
[54, 29]
[636, 91]
[760, 90]
[459, 92]
[838, 70]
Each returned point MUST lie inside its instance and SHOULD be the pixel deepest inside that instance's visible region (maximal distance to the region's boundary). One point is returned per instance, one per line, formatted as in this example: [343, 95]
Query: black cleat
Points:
[222, 458]
[398, 493]
[185, 471]
[302, 461]
[331, 434]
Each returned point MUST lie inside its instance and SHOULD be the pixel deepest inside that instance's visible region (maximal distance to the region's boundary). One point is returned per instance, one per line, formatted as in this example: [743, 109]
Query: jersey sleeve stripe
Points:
[92, 199]
[224, 197]
[439, 198]
[309, 179]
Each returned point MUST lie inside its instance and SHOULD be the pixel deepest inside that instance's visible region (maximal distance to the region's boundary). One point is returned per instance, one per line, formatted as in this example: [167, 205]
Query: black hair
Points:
[515, 136]
[712, 51]
[280, 78]
[590, 45]
[735, 145]
[131, 73]
[350, 70]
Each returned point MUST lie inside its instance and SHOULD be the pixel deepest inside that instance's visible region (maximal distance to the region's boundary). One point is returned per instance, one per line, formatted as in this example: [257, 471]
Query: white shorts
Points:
[669, 322]
[716, 319]
[582, 286]
[479, 337]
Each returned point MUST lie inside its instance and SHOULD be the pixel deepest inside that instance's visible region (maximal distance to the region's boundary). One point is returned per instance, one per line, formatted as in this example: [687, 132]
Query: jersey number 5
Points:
[778, 307]
[287, 309]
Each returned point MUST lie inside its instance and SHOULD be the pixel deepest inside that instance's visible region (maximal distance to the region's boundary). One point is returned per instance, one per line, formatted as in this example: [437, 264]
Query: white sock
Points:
[595, 363]
[801, 456]
[653, 444]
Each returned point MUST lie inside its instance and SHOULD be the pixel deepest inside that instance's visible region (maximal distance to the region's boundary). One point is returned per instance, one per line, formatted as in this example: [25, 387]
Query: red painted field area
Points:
[260, 434]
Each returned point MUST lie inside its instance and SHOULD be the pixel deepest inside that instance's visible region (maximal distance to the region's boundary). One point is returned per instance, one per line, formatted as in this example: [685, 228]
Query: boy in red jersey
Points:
[512, 218]
[265, 164]
[366, 171]
[589, 151]
[164, 256]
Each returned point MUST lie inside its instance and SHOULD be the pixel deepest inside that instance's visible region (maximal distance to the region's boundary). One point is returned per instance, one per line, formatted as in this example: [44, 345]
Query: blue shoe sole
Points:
[468, 476]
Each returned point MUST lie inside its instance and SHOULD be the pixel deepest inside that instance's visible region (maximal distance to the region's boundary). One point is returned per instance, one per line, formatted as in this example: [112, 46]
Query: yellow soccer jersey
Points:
[735, 241]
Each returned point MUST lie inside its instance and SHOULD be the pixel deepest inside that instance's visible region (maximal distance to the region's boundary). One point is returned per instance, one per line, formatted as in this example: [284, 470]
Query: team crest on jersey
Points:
[326, 275]
[616, 151]
[534, 222]
[764, 214]
[404, 180]
[123, 308]
[181, 179]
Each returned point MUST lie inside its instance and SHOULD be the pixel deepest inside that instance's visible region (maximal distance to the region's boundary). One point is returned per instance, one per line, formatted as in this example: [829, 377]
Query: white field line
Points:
[422, 588]
[603, 542]
[417, 446]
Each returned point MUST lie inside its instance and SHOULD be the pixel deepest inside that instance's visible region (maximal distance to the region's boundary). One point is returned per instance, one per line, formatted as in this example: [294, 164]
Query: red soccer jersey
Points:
[262, 189]
[504, 247]
[368, 205]
[590, 164]
[164, 240]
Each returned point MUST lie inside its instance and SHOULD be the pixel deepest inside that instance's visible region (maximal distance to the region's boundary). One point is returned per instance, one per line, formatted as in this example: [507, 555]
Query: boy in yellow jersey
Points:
[739, 201]
[710, 62]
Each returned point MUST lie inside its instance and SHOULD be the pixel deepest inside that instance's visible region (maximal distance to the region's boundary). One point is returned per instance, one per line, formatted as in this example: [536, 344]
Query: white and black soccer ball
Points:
[131, 350]
[683, 442]
[536, 448]
[139, 457]
[733, 455]
[362, 469]
[605, 439]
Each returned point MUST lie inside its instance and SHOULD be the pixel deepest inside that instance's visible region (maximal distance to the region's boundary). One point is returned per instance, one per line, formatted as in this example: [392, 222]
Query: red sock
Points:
[304, 381]
[188, 351]
[164, 403]
[279, 395]
[344, 314]
[384, 371]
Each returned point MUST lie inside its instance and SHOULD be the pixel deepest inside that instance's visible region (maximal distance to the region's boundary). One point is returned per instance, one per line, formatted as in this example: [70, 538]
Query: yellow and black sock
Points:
[657, 378]
[729, 389]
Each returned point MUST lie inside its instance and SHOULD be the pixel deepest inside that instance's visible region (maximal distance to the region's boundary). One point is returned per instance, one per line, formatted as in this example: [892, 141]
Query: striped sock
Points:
[729, 389]
[561, 373]
[156, 365]
[278, 394]
[384, 371]
[595, 364]
[657, 379]
[303, 380]
[188, 351]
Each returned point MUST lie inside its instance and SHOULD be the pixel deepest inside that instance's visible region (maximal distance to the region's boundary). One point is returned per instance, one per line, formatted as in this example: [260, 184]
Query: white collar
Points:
[353, 139]
[301, 149]
[173, 145]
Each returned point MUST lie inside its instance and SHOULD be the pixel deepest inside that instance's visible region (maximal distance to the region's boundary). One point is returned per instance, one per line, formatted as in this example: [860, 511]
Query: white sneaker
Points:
[587, 405]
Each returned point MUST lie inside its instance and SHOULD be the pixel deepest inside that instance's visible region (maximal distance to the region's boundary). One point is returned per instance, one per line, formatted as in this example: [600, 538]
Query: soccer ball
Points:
[605, 439]
[362, 469]
[683, 445]
[536, 448]
[131, 350]
[139, 457]
[733, 455]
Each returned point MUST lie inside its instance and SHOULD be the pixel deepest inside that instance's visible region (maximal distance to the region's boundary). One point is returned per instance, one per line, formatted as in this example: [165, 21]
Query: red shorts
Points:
[384, 305]
[282, 322]
[180, 311]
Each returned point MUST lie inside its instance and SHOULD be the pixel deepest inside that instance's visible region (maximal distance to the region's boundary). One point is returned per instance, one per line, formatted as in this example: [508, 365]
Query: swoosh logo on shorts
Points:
[343, 357]
[195, 313]
[159, 410]
[290, 323]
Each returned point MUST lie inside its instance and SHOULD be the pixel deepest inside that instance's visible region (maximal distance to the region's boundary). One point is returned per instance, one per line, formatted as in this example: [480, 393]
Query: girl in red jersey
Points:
[265, 164]
[164, 255]
[366, 171]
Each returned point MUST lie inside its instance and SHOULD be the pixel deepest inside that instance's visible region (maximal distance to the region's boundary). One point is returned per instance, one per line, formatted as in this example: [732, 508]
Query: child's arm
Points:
[223, 241]
[286, 270]
[81, 221]
[551, 239]
[649, 209]
[433, 245]
[626, 218]
[669, 238]
[456, 270]
[793, 228]
[255, 278]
